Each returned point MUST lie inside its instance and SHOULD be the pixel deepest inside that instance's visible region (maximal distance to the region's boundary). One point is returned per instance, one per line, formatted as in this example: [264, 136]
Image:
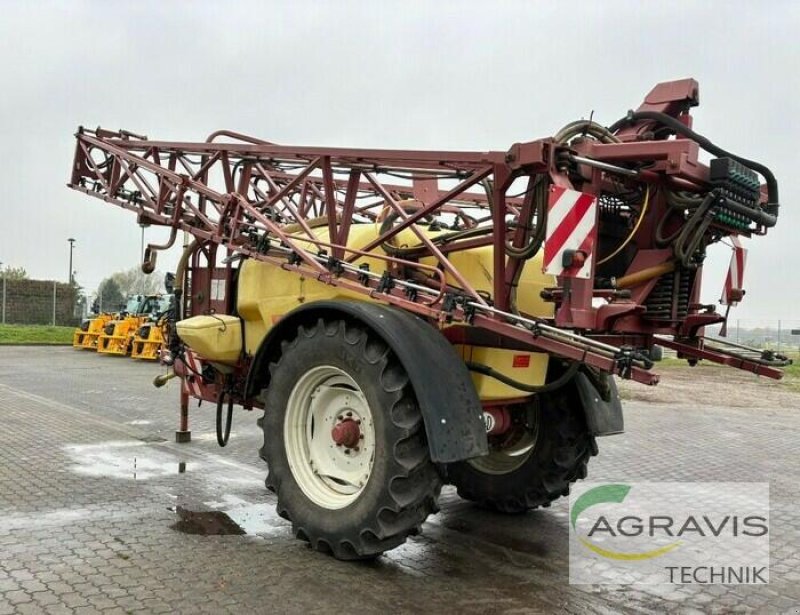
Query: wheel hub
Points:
[330, 436]
[510, 444]
[346, 433]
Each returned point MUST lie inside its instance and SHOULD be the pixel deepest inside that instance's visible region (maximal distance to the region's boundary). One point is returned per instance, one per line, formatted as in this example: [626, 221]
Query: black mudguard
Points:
[603, 410]
[442, 384]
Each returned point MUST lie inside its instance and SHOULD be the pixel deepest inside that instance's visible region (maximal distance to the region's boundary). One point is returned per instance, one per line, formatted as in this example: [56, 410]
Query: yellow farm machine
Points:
[149, 338]
[136, 330]
[138, 322]
[86, 334]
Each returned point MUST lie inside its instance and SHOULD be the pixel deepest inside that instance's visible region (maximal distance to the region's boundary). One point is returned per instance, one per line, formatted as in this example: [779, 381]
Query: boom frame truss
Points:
[262, 200]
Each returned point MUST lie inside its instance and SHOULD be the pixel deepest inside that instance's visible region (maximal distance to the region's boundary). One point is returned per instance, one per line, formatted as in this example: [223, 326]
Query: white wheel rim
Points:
[331, 475]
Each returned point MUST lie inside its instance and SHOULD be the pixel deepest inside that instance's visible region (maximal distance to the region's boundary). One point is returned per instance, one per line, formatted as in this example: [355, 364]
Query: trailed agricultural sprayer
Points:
[413, 318]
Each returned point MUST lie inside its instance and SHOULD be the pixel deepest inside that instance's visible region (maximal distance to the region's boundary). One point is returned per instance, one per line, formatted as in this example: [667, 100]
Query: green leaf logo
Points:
[614, 494]
[598, 495]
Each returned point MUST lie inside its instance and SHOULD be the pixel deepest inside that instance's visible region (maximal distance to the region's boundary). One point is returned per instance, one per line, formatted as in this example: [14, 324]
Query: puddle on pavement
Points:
[258, 519]
[123, 460]
[225, 515]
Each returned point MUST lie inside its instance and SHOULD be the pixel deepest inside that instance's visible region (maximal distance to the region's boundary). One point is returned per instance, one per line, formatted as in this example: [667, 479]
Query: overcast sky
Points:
[437, 75]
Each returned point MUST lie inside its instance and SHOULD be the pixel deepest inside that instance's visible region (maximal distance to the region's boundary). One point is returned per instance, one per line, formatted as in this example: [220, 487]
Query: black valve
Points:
[386, 282]
[363, 274]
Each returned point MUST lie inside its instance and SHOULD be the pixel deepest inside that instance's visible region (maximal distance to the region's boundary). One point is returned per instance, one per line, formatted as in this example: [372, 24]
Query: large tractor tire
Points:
[345, 442]
[535, 462]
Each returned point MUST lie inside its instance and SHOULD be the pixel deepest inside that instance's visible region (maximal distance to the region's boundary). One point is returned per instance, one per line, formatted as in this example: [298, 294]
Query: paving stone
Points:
[79, 533]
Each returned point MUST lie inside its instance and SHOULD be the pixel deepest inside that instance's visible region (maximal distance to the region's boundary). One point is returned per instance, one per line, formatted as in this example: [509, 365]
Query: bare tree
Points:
[14, 273]
[134, 282]
[109, 297]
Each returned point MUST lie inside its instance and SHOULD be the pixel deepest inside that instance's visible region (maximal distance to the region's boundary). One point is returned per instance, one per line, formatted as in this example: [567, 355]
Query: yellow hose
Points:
[632, 233]
[640, 277]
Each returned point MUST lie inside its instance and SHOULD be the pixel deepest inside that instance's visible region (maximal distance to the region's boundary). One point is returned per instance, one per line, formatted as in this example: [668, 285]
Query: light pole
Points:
[3, 273]
[71, 247]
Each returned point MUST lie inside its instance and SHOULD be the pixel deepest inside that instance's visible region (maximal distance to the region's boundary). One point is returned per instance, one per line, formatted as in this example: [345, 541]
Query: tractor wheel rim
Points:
[510, 457]
[329, 437]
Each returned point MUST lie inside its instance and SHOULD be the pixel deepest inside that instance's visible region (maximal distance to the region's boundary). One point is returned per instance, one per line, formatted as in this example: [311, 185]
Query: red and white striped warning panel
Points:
[571, 233]
[192, 382]
[733, 291]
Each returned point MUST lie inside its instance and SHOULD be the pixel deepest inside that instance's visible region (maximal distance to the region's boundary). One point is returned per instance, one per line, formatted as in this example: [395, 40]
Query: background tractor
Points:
[119, 333]
[149, 338]
[86, 334]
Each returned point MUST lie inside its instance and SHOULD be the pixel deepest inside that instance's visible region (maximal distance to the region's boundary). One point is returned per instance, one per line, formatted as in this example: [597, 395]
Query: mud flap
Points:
[603, 412]
[442, 384]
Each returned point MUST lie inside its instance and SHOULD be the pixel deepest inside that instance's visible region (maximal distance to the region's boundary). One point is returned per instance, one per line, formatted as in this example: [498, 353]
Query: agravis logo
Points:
[664, 532]
[615, 494]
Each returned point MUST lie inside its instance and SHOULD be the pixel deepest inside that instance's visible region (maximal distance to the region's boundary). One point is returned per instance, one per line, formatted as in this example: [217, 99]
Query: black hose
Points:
[421, 249]
[770, 216]
[526, 252]
[222, 438]
[692, 232]
[543, 388]
[539, 194]
[678, 204]
[398, 252]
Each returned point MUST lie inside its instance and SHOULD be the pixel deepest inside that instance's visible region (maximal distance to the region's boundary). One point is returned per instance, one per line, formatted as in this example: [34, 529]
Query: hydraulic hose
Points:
[677, 203]
[526, 252]
[421, 249]
[645, 275]
[538, 192]
[692, 232]
[769, 216]
[224, 434]
[529, 388]
[582, 127]
[632, 234]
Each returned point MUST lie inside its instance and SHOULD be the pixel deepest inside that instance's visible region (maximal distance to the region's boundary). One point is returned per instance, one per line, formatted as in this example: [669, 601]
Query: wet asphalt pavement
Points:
[101, 511]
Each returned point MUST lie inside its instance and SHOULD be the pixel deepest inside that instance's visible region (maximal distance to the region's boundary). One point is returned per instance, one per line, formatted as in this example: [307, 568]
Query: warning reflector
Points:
[733, 290]
[571, 228]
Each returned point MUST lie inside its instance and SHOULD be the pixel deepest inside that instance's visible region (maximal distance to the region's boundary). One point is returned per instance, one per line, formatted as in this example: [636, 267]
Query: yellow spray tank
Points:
[266, 293]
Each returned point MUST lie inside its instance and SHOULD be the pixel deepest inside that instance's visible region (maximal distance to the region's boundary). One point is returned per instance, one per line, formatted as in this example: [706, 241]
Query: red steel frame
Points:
[242, 193]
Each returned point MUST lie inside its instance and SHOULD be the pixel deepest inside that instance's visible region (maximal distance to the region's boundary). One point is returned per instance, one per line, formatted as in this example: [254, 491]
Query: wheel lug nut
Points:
[349, 414]
[340, 418]
[347, 451]
[358, 422]
[356, 449]
[361, 436]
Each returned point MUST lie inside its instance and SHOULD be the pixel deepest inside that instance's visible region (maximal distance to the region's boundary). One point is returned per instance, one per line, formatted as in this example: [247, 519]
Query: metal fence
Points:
[45, 302]
[774, 334]
[37, 302]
